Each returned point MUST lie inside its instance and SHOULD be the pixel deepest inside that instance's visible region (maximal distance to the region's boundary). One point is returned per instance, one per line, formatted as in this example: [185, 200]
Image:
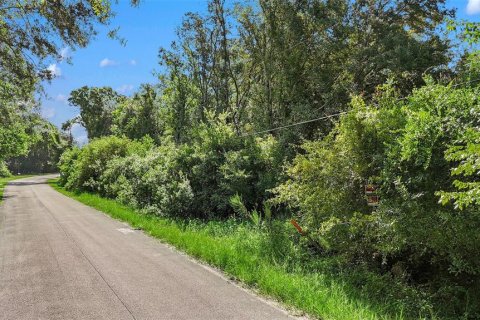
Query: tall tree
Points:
[47, 144]
[274, 63]
[399, 39]
[139, 116]
[34, 31]
[96, 108]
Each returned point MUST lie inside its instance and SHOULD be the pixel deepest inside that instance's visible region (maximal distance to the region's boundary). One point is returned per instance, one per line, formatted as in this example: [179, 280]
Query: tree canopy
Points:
[33, 33]
[33, 36]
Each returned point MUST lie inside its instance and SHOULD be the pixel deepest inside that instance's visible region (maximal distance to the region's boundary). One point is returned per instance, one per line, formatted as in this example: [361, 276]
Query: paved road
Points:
[62, 260]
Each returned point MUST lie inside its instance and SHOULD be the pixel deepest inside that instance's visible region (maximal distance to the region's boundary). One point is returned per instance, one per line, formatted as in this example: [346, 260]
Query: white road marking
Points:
[125, 230]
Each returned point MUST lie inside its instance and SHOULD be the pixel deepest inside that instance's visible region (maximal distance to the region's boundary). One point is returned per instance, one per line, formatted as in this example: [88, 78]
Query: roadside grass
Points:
[267, 261]
[5, 180]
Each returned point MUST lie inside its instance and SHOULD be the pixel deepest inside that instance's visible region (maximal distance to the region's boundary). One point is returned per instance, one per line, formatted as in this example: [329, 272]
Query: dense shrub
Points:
[67, 168]
[221, 164]
[326, 180]
[81, 169]
[150, 181]
[4, 172]
[416, 168]
[403, 145]
[466, 153]
[195, 179]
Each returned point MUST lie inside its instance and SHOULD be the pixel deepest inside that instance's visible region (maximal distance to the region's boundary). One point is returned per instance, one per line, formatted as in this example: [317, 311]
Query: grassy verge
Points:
[5, 180]
[269, 261]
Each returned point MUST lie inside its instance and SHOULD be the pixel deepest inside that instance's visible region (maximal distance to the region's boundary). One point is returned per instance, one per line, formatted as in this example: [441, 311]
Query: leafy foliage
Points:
[96, 108]
[82, 169]
[47, 143]
[14, 137]
[150, 181]
[34, 31]
[222, 164]
[467, 154]
[4, 172]
[174, 179]
[402, 145]
[139, 116]
[270, 64]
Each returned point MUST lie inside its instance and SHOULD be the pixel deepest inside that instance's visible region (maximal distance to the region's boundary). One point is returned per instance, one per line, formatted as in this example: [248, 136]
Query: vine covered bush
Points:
[196, 179]
[81, 168]
[426, 219]
[4, 172]
[152, 181]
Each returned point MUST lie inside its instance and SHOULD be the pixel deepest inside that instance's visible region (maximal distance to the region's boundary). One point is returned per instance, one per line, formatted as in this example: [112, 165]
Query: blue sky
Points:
[146, 28]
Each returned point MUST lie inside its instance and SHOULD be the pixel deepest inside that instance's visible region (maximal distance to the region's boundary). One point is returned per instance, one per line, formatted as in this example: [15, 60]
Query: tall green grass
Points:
[268, 261]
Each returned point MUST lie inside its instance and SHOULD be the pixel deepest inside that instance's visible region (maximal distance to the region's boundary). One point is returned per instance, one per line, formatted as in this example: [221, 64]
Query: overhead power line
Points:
[295, 124]
[333, 115]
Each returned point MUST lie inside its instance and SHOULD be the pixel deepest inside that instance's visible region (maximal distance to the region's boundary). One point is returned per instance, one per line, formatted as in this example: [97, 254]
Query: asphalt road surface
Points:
[60, 259]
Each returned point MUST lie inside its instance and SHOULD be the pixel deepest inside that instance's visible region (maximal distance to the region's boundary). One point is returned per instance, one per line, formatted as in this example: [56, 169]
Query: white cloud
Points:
[54, 70]
[124, 89]
[64, 53]
[48, 112]
[61, 98]
[473, 6]
[107, 63]
[133, 62]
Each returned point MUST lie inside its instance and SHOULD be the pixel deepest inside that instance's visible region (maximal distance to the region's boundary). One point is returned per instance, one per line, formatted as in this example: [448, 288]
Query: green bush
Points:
[416, 168]
[66, 165]
[221, 164]
[4, 172]
[81, 169]
[424, 229]
[195, 179]
[326, 181]
[405, 146]
[150, 181]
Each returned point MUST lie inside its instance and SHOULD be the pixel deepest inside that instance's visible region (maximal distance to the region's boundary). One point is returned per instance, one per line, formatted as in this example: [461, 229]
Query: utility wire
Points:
[294, 124]
[334, 115]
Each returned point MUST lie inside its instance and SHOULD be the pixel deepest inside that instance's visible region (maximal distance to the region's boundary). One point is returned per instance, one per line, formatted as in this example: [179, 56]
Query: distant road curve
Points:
[60, 259]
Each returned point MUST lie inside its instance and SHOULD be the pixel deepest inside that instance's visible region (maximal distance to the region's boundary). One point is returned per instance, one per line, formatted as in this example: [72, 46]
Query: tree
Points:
[96, 108]
[398, 39]
[297, 51]
[15, 120]
[47, 144]
[32, 32]
[275, 63]
[138, 116]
